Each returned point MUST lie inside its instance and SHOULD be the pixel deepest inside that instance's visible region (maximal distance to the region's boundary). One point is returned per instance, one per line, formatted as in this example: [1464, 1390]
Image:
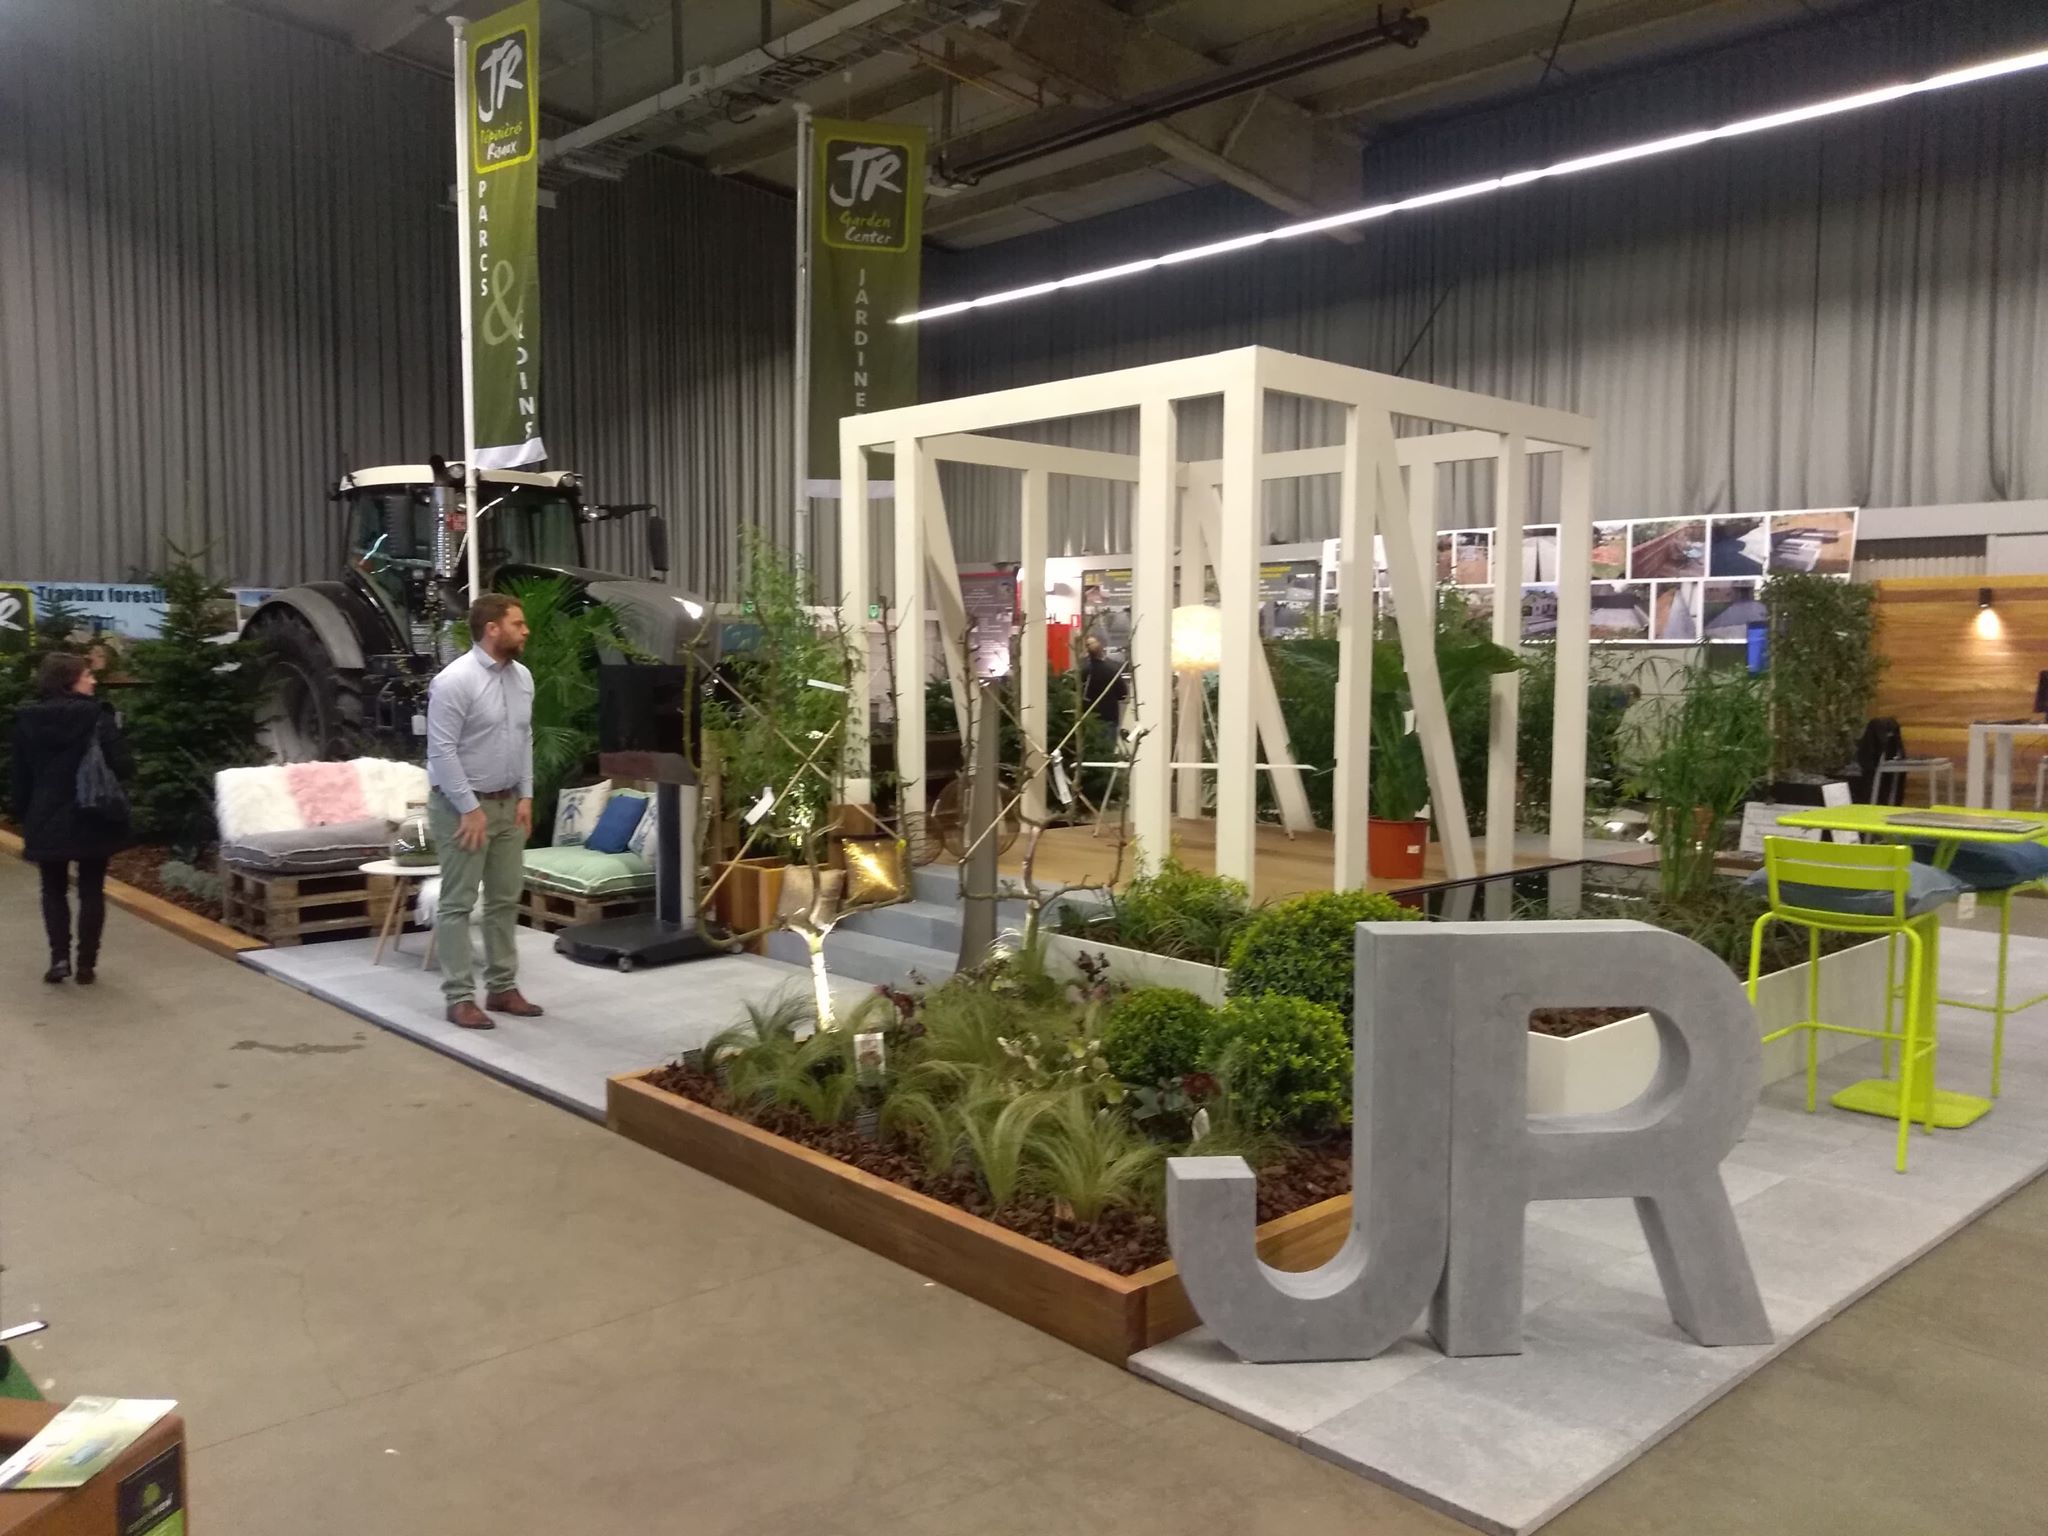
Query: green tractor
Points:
[351, 658]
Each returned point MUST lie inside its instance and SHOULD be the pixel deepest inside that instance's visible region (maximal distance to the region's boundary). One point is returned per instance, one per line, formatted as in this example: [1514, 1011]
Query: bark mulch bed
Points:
[142, 867]
[1123, 1241]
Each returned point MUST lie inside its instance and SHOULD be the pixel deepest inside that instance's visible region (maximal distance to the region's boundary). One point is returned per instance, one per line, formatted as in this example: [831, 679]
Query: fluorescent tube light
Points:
[1996, 68]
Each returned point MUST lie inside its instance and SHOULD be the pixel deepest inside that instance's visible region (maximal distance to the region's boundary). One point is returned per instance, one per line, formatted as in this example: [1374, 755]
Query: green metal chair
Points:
[1870, 890]
[1997, 873]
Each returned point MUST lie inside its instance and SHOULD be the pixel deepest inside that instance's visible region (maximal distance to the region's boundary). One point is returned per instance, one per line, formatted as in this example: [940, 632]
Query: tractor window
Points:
[532, 527]
[391, 540]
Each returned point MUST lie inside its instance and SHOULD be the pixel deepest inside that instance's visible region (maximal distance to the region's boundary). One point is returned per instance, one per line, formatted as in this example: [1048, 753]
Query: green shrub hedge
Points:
[1302, 947]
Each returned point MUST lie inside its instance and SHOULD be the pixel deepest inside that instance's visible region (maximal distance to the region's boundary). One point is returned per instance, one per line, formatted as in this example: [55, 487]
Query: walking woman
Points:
[52, 737]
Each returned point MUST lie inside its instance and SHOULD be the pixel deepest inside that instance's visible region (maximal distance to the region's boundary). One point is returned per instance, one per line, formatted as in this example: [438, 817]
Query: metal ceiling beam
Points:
[391, 24]
[777, 139]
[858, 30]
[1262, 144]
[950, 211]
[1509, 51]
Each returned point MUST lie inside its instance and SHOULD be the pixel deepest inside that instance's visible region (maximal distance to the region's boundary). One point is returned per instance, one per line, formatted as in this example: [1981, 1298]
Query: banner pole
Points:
[800, 413]
[465, 240]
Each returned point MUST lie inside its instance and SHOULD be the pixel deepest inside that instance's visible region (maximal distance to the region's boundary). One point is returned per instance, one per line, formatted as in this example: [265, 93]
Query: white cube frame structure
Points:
[1188, 515]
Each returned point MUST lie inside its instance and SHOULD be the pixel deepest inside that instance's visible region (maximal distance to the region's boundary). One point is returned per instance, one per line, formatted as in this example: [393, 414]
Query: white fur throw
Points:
[250, 802]
[428, 901]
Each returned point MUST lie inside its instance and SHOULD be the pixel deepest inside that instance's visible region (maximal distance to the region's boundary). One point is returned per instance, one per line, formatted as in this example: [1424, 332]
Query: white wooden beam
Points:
[1415, 615]
[1182, 379]
[856, 592]
[1236, 550]
[1018, 453]
[1510, 508]
[1031, 659]
[1352, 772]
[1188, 747]
[1152, 549]
[947, 601]
[1320, 380]
[910, 645]
[1574, 625]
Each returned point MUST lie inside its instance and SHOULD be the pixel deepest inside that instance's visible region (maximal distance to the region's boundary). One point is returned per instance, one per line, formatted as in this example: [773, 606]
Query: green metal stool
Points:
[1871, 890]
[1996, 874]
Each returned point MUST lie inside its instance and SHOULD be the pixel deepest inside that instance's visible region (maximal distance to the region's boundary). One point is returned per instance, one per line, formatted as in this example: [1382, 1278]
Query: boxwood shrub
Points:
[1285, 1062]
[1156, 1035]
[1302, 947]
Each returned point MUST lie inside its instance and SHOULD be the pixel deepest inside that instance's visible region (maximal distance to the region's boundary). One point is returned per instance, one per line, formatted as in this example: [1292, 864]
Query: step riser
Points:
[879, 962]
[930, 930]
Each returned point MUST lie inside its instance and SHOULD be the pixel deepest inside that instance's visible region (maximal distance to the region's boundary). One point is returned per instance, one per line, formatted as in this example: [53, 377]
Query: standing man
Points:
[1103, 684]
[480, 767]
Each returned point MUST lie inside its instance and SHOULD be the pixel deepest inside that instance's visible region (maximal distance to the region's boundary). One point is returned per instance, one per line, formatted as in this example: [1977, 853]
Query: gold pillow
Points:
[874, 870]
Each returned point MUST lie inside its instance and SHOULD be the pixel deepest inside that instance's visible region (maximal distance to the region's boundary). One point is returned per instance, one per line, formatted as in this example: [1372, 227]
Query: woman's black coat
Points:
[50, 738]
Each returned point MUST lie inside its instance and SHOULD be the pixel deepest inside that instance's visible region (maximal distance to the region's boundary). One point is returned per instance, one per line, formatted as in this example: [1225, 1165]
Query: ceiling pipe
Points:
[1403, 29]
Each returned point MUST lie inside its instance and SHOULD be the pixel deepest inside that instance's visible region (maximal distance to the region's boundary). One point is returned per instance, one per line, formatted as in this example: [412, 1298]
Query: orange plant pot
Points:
[1394, 850]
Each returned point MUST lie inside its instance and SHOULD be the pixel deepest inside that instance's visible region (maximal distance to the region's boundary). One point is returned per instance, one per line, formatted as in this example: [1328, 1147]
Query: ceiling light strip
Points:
[1974, 74]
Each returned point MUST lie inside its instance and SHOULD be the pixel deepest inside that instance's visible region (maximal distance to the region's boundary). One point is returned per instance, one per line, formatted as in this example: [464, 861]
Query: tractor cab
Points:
[351, 656]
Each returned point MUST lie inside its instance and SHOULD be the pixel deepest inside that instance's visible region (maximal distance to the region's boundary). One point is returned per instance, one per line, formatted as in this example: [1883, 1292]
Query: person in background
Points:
[480, 806]
[1104, 684]
[51, 738]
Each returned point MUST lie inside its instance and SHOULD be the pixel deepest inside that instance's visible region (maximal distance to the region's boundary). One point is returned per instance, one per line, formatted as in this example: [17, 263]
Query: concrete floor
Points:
[394, 1295]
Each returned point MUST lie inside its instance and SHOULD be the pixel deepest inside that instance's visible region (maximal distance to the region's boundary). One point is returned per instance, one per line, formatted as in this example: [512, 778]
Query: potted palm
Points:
[1697, 755]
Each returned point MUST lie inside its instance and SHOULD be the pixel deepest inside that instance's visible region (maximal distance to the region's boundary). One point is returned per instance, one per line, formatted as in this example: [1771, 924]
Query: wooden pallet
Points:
[292, 909]
[551, 913]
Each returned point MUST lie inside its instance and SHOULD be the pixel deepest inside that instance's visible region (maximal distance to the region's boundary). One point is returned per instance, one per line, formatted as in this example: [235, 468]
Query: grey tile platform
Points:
[598, 1022]
[1506, 1443]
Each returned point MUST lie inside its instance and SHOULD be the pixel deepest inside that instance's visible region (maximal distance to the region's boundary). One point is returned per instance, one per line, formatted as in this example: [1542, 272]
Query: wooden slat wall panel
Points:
[1940, 674]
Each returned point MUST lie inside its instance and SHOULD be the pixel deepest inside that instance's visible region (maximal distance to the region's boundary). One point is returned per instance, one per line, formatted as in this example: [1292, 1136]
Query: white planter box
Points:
[1135, 968]
[1604, 1068]
[1608, 1067]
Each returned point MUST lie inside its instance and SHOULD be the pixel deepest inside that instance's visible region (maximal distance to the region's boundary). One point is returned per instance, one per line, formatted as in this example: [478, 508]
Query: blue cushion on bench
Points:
[1992, 866]
[615, 824]
[1926, 889]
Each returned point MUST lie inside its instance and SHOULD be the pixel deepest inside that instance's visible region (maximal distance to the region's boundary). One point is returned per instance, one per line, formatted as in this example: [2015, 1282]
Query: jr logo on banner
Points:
[504, 126]
[868, 189]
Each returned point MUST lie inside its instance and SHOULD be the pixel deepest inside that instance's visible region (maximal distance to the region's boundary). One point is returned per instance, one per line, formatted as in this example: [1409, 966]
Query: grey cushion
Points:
[309, 850]
[1926, 889]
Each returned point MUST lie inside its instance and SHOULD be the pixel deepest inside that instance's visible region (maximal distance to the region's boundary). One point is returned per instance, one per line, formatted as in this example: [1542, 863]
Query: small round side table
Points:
[393, 930]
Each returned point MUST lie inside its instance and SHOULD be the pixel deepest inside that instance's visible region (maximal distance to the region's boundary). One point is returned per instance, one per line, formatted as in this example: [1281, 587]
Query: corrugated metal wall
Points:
[227, 273]
[222, 278]
[1882, 559]
[1847, 312]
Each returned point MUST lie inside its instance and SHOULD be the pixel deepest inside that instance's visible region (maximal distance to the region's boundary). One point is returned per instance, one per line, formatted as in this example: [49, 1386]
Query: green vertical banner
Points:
[867, 196]
[504, 266]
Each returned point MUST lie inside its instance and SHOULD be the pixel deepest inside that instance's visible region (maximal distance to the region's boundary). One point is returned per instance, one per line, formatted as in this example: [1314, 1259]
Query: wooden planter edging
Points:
[1109, 1315]
[168, 915]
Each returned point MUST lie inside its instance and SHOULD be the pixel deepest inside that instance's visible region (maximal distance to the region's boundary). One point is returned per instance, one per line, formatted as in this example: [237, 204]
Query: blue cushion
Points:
[614, 828]
[1926, 889]
[1992, 866]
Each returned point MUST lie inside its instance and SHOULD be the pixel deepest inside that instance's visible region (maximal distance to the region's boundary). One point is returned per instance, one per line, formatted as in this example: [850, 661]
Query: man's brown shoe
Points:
[466, 1015]
[514, 1004]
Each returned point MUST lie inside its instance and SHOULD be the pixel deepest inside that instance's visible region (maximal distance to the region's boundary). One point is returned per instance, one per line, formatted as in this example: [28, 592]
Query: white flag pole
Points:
[465, 240]
[801, 387]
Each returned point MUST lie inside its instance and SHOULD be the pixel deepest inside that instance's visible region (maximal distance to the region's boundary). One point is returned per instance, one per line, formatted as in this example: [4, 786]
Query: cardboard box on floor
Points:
[141, 1494]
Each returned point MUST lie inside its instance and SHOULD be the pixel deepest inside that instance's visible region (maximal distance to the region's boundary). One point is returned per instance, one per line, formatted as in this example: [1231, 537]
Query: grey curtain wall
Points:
[1846, 312]
[227, 273]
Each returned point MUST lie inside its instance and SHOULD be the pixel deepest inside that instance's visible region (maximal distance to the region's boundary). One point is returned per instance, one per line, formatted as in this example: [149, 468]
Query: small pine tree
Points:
[194, 711]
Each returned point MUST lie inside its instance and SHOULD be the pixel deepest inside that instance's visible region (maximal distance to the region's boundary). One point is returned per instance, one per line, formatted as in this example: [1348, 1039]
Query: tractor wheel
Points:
[311, 709]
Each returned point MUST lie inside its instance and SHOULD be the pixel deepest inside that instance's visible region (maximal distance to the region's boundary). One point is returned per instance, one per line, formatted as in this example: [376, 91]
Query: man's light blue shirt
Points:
[480, 729]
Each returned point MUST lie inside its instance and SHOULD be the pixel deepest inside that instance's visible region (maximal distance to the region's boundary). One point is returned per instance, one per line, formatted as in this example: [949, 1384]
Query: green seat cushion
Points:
[573, 870]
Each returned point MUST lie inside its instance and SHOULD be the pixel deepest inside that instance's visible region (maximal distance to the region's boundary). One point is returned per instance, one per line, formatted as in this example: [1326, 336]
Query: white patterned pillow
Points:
[576, 813]
[642, 840]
